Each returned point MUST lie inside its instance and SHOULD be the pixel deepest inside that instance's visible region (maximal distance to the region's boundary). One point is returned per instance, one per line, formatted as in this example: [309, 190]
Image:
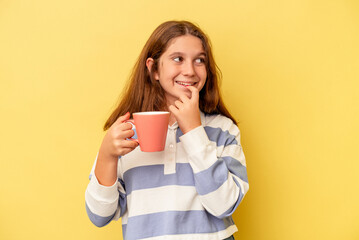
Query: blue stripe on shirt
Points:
[218, 172]
[235, 167]
[176, 222]
[153, 176]
[178, 135]
[222, 138]
[98, 220]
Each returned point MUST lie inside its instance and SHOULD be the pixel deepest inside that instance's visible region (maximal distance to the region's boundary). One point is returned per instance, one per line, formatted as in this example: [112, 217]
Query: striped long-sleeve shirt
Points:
[188, 191]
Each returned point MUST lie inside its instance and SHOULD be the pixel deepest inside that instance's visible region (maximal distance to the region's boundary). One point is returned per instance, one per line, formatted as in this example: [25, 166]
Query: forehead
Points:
[185, 44]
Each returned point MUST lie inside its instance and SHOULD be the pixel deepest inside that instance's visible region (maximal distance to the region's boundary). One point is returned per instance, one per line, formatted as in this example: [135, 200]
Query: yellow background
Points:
[291, 78]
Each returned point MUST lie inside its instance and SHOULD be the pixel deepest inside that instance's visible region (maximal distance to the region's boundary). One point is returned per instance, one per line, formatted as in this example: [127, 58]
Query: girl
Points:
[191, 189]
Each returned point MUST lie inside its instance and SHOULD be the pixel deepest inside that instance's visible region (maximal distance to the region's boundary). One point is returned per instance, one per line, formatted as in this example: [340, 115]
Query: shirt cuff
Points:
[195, 140]
[101, 192]
[202, 153]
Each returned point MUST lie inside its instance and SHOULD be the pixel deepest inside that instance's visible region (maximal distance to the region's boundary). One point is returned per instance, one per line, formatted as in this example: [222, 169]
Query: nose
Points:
[188, 69]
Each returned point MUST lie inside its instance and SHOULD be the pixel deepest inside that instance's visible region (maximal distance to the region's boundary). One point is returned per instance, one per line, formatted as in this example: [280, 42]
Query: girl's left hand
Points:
[186, 111]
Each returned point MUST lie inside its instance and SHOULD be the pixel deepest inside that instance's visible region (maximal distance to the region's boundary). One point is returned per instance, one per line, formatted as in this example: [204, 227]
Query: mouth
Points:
[186, 84]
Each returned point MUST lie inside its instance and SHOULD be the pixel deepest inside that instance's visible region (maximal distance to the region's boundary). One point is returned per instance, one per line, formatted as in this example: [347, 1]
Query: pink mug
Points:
[151, 128]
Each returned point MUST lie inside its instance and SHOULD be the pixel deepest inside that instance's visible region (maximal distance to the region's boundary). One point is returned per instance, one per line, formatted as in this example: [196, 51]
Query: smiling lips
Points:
[186, 84]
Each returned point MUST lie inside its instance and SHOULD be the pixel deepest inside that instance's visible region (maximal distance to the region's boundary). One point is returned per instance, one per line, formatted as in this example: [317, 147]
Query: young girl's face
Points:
[181, 65]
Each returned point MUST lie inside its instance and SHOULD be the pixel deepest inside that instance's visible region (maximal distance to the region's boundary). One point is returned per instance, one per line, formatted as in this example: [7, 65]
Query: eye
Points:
[200, 60]
[178, 59]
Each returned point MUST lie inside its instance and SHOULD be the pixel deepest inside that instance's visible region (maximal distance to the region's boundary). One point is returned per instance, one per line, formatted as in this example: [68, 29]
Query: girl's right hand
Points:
[113, 145]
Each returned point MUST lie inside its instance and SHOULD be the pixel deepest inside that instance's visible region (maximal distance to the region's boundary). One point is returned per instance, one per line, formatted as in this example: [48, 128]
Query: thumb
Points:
[123, 118]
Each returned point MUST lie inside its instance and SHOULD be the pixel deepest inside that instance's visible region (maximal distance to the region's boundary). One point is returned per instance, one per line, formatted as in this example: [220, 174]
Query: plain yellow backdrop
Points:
[290, 76]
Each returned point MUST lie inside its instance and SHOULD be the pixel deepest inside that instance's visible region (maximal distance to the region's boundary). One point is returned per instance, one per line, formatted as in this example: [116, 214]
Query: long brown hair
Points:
[144, 93]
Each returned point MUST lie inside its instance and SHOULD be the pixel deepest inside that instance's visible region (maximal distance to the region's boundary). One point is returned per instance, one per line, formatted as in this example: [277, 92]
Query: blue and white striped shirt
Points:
[188, 191]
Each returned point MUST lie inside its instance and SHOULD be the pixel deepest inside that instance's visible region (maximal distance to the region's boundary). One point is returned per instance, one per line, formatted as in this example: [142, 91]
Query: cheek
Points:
[203, 75]
[173, 71]
[169, 72]
[201, 86]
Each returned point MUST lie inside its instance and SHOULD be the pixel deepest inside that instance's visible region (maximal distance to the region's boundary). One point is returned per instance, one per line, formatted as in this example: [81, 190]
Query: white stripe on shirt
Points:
[161, 199]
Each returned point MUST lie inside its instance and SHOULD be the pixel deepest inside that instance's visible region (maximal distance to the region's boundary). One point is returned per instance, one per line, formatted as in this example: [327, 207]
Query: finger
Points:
[125, 126]
[127, 134]
[178, 104]
[184, 98]
[173, 110]
[125, 151]
[129, 144]
[125, 143]
[195, 93]
[123, 118]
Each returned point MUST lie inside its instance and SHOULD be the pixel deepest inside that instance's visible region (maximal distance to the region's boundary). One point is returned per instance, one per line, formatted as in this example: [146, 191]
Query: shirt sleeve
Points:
[217, 160]
[104, 203]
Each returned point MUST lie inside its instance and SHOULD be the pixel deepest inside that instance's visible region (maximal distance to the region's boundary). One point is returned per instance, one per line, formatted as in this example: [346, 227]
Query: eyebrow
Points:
[181, 53]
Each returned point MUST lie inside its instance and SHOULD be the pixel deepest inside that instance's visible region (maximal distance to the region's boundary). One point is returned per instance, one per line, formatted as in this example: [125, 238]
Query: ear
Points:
[149, 64]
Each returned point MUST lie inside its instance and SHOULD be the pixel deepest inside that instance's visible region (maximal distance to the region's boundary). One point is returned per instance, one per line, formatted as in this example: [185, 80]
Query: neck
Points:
[172, 119]
[170, 102]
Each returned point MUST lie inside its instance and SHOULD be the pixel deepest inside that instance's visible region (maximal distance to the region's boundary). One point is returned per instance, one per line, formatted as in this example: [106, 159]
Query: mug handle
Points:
[133, 124]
